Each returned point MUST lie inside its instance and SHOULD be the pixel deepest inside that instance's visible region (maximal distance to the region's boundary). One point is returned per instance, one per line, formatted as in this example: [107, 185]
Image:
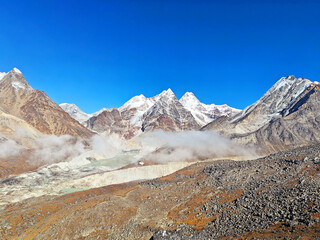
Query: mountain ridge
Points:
[138, 108]
[19, 99]
[266, 123]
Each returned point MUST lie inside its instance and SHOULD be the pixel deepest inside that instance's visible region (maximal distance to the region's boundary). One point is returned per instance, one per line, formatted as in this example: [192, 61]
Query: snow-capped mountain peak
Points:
[135, 102]
[16, 70]
[166, 95]
[139, 105]
[290, 82]
[271, 105]
[189, 100]
[15, 79]
[2, 74]
[75, 112]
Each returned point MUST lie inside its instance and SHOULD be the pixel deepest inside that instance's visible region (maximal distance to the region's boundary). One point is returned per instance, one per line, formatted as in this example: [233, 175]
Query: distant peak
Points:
[2, 74]
[168, 92]
[16, 70]
[139, 97]
[290, 77]
[189, 100]
[68, 104]
[189, 95]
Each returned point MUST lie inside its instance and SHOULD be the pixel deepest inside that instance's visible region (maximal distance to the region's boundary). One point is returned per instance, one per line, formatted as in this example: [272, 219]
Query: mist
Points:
[157, 146]
[9, 147]
[161, 146]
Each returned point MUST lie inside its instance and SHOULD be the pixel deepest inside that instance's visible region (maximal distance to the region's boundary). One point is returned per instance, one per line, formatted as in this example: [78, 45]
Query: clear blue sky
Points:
[100, 53]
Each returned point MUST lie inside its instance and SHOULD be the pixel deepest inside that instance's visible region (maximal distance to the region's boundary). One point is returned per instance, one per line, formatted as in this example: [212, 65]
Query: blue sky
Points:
[100, 53]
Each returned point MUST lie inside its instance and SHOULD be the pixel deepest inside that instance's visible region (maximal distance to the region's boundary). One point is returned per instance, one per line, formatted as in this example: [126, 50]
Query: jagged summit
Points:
[285, 116]
[16, 70]
[189, 100]
[270, 106]
[19, 99]
[75, 112]
[14, 79]
[163, 111]
[169, 94]
[168, 91]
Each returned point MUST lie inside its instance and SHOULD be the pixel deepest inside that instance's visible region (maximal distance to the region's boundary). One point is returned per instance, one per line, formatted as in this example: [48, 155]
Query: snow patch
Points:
[75, 112]
[18, 85]
[16, 70]
[2, 74]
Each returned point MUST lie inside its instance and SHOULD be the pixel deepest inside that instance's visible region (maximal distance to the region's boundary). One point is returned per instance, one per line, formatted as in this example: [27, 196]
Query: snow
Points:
[204, 113]
[2, 74]
[18, 85]
[141, 104]
[165, 94]
[75, 112]
[17, 70]
[189, 100]
[301, 90]
[271, 105]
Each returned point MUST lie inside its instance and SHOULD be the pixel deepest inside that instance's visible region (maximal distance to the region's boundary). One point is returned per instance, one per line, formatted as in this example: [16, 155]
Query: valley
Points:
[160, 167]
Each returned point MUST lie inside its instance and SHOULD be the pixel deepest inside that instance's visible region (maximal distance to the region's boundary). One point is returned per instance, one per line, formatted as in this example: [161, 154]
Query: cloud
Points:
[51, 148]
[159, 146]
[9, 147]
[189, 145]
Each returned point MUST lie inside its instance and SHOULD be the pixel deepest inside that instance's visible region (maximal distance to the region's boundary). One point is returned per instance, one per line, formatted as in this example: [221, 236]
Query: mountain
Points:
[112, 121]
[168, 114]
[286, 116]
[75, 112]
[276, 197]
[204, 113]
[19, 99]
[163, 111]
[135, 108]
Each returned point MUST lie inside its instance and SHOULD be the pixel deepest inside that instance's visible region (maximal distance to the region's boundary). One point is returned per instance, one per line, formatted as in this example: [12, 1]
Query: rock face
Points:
[204, 113]
[275, 197]
[168, 114]
[112, 121]
[284, 117]
[19, 99]
[10, 125]
[163, 111]
[75, 112]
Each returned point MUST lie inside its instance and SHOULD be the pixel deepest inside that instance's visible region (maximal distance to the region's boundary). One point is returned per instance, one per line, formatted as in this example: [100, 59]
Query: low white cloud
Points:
[9, 147]
[157, 146]
[189, 145]
[51, 148]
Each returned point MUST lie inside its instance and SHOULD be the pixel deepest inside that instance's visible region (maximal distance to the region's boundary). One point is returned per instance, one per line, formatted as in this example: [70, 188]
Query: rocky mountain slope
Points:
[168, 114]
[163, 111]
[204, 113]
[75, 112]
[112, 121]
[286, 116]
[19, 99]
[276, 197]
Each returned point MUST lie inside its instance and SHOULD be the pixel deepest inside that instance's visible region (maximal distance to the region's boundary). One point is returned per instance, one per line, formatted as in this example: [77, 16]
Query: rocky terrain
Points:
[113, 185]
[19, 99]
[140, 114]
[204, 113]
[276, 197]
[287, 116]
[112, 121]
